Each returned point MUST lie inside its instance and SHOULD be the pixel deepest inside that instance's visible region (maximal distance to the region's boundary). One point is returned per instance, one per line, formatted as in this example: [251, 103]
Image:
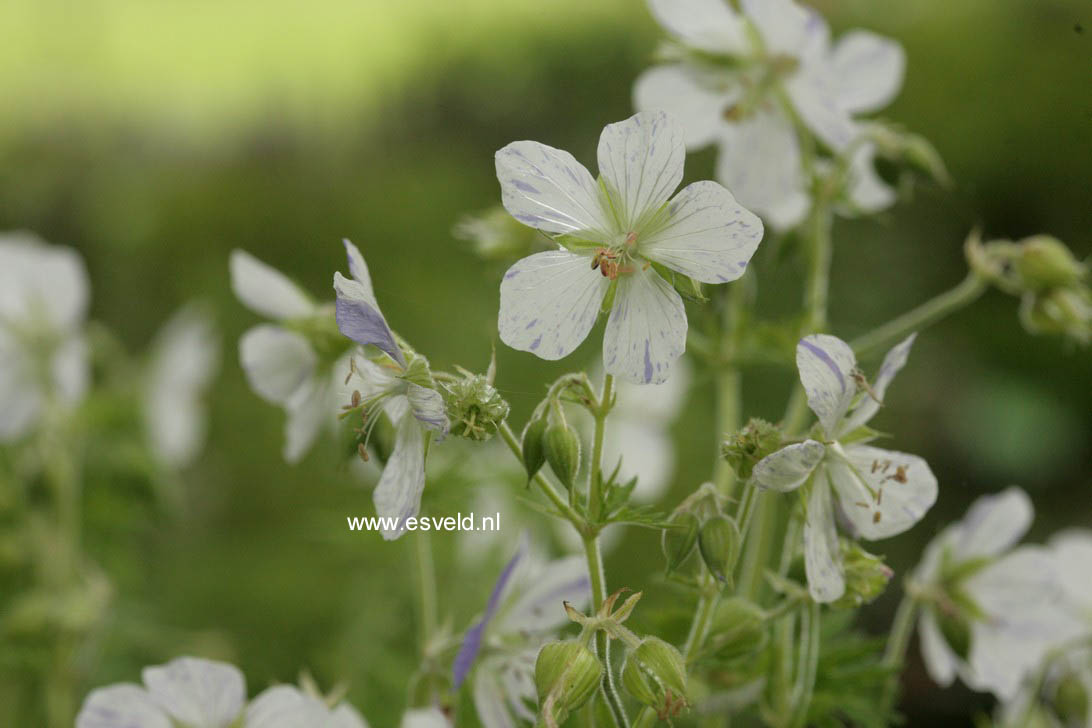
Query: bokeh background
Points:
[156, 136]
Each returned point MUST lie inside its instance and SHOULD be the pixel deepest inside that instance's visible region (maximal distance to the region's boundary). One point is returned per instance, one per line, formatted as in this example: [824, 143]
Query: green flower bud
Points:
[678, 542]
[956, 630]
[1046, 263]
[718, 541]
[655, 674]
[561, 445]
[866, 575]
[475, 408]
[534, 453]
[566, 675]
[1071, 701]
[745, 448]
[1063, 311]
[738, 630]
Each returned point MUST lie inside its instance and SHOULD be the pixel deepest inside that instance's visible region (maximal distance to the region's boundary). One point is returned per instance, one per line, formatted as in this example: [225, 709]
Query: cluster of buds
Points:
[866, 575]
[549, 438]
[1053, 286]
[474, 407]
[699, 524]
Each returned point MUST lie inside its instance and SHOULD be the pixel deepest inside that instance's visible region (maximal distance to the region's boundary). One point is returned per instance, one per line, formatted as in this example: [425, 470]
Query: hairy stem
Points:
[548, 490]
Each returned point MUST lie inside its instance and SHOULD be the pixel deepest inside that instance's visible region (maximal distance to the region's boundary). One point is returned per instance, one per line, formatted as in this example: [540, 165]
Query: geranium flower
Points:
[615, 233]
[398, 385]
[990, 611]
[877, 493]
[726, 89]
[44, 296]
[425, 718]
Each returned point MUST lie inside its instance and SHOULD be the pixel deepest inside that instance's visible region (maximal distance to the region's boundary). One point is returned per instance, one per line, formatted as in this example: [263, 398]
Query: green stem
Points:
[426, 572]
[548, 490]
[897, 644]
[952, 300]
[809, 663]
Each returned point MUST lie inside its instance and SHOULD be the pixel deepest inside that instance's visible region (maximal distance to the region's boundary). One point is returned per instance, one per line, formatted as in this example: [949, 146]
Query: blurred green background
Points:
[156, 136]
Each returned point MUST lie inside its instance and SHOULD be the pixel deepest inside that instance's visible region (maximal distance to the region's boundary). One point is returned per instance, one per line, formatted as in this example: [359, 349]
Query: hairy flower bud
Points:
[474, 407]
[566, 675]
[1063, 311]
[678, 542]
[532, 447]
[561, 445]
[743, 449]
[738, 630]
[1046, 263]
[718, 541]
[655, 674]
[866, 575]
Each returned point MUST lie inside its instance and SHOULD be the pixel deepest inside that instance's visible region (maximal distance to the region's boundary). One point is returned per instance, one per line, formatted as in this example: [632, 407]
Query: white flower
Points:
[524, 610]
[281, 364]
[737, 105]
[44, 295]
[615, 230]
[190, 692]
[1072, 553]
[877, 493]
[425, 718]
[401, 388]
[184, 358]
[976, 586]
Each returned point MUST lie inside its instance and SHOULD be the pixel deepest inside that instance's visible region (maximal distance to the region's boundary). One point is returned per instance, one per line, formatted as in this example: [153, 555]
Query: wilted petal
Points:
[472, 641]
[993, 524]
[196, 692]
[788, 28]
[646, 331]
[822, 553]
[680, 91]
[398, 494]
[548, 189]
[707, 235]
[121, 706]
[358, 269]
[759, 161]
[869, 70]
[826, 365]
[276, 361]
[790, 467]
[425, 718]
[882, 492]
[427, 406]
[549, 302]
[265, 290]
[940, 661]
[708, 25]
[893, 362]
[641, 162]
[359, 318]
[540, 605]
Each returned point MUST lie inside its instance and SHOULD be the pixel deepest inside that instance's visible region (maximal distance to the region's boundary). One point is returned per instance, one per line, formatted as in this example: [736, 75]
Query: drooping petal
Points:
[548, 189]
[692, 99]
[539, 606]
[788, 28]
[940, 661]
[867, 192]
[641, 163]
[646, 331]
[708, 25]
[790, 467]
[358, 269]
[196, 692]
[308, 409]
[882, 492]
[266, 290]
[276, 361]
[427, 406]
[359, 318]
[759, 161]
[993, 524]
[869, 69]
[425, 718]
[549, 302]
[822, 553]
[893, 362]
[121, 706]
[398, 494]
[826, 365]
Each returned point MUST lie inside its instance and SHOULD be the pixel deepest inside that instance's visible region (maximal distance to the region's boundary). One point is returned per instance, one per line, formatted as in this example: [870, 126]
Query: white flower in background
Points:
[1057, 698]
[425, 718]
[990, 611]
[190, 692]
[392, 384]
[185, 355]
[1072, 553]
[523, 612]
[615, 232]
[281, 364]
[731, 85]
[44, 294]
[876, 493]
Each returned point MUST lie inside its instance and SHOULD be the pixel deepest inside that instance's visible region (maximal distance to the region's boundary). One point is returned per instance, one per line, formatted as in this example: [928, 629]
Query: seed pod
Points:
[562, 448]
[739, 630]
[566, 675]
[534, 454]
[678, 542]
[655, 674]
[1046, 263]
[718, 541]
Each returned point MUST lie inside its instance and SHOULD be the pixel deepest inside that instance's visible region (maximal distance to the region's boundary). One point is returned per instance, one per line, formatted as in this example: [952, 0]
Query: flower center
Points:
[616, 260]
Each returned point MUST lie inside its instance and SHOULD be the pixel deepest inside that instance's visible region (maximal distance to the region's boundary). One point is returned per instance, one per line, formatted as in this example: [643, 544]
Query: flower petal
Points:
[20, 398]
[38, 279]
[867, 192]
[266, 290]
[641, 163]
[826, 365]
[398, 494]
[646, 331]
[787, 27]
[548, 189]
[681, 91]
[359, 318]
[759, 161]
[993, 525]
[869, 69]
[346, 716]
[196, 692]
[549, 302]
[707, 235]
[472, 641]
[882, 492]
[1072, 550]
[893, 363]
[309, 408]
[790, 467]
[425, 718]
[71, 370]
[358, 269]
[285, 706]
[822, 553]
[121, 706]
[708, 25]
[276, 361]
[539, 607]
[428, 407]
[814, 94]
[940, 661]
[490, 703]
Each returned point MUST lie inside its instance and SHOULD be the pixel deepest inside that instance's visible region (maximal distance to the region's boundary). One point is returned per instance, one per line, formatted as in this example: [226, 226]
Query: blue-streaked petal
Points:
[882, 492]
[472, 641]
[790, 467]
[641, 163]
[869, 70]
[427, 406]
[198, 692]
[358, 269]
[121, 706]
[822, 553]
[398, 494]
[646, 331]
[826, 365]
[893, 363]
[540, 605]
[265, 290]
[359, 319]
[548, 189]
[707, 235]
